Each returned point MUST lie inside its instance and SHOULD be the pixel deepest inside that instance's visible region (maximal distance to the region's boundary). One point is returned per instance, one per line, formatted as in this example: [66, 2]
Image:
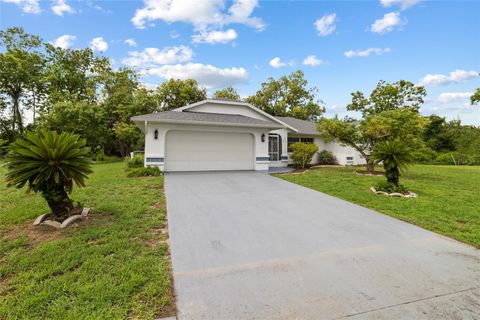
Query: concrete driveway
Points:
[246, 245]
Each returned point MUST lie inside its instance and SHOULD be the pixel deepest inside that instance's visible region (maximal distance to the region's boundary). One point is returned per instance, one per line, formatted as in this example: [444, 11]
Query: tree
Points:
[363, 135]
[475, 98]
[437, 135]
[302, 153]
[388, 96]
[49, 163]
[176, 93]
[127, 135]
[289, 96]
[396, 156]
[228, 93]
[21, 67]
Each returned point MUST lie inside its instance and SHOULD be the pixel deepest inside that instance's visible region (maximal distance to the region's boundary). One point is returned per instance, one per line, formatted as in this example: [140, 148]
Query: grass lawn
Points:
[114, 265]
[448, 197]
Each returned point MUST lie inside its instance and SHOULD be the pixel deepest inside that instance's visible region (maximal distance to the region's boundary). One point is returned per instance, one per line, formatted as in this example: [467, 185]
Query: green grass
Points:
[113, 265]
[448, 197]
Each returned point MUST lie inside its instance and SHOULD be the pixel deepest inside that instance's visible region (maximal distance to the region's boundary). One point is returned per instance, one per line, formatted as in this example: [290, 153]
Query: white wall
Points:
[229, 109]
[156, 148]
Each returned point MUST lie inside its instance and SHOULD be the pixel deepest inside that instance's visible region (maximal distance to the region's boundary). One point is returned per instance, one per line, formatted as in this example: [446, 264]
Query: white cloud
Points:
[366, 52]
[60, 7]
[215, 36]
[453, 77]
[98, 44]
[312, 60]
[27, 6]
[174, 34]
[448, 97]
[151, 57]
[403, 4]
[206, 75]
[326, 24]
[387, 23]
[131, 42]
[65, 41]
[276, 63]
[201, 14]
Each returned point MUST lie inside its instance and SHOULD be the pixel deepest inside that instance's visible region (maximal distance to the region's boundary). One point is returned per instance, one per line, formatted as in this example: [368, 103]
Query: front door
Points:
[273, 148]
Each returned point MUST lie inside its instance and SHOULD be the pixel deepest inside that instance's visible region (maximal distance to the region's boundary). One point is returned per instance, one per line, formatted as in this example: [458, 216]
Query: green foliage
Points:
[390, 187]
[150, 171]
[228, 93]
[326, 157]
[395, 156]
[136, 162]
[475, 98]
[49, 163]
[176, 93]
[3, 147]
[289, 96]
[100, 155]
[302, 153]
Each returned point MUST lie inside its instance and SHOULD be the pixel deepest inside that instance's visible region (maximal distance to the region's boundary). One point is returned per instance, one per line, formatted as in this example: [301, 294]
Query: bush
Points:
[326, 157]
[302, 153]
[3, 147]
[390, 187]
[144, 172]
[444, 158]
[100, 156]
[136, 161]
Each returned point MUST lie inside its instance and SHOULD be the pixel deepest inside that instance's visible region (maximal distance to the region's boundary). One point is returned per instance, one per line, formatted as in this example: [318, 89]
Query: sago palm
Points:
[49, 163]
[396, 156]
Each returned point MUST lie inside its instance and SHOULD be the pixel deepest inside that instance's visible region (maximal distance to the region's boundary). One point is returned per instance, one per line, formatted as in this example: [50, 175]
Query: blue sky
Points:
[342, 46]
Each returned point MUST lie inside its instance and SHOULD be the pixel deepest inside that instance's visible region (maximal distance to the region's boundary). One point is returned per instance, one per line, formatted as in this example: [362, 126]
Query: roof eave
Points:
[209, 123]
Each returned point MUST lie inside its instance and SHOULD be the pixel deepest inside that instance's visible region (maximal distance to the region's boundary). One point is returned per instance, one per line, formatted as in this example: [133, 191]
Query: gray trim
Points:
[154, 160]
[262, 158]
[284, 158]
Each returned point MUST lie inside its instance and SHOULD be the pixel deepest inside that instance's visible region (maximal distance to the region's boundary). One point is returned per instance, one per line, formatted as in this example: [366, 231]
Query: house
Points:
[228, 135]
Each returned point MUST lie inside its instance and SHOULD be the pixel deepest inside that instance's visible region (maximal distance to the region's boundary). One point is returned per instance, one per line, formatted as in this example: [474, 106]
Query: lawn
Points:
[448, 197]
[114, 265]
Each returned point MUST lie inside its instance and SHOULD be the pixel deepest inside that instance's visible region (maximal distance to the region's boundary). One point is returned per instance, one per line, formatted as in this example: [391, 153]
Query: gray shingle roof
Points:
[204, 117]
[303, 126]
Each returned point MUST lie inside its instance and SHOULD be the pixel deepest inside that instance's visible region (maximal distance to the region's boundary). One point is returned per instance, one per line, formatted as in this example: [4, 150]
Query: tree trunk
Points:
[59, 202]
[392, 175]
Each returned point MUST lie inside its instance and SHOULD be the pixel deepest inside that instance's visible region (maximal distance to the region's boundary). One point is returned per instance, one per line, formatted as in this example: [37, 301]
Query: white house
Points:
[228, 135]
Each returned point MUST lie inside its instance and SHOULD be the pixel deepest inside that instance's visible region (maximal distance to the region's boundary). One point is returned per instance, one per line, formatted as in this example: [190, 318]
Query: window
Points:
[292, 140]
[350, 158]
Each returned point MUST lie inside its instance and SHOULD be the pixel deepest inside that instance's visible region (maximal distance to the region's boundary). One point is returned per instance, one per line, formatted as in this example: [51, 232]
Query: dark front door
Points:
[274, 148]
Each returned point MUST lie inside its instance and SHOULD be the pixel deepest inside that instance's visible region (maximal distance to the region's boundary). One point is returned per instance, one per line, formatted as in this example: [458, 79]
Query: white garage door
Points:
[203, 151]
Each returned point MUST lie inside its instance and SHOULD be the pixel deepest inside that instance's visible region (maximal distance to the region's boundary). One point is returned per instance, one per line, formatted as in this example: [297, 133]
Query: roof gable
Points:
[302, 126]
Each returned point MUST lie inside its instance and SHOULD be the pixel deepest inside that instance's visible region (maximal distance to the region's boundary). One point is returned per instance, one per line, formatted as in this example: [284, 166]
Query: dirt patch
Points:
[35, 234]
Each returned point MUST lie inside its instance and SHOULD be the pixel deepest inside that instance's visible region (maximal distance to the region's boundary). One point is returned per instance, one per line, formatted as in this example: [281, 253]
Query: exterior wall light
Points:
[263, 137]
[155, 134]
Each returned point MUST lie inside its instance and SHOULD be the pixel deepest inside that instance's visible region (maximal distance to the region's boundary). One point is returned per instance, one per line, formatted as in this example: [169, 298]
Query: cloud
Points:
[60, 7]
[65, 41]
[131, 42]
[387, 23]
[326, 24]
[312, 60]
[27, 6]
[207, 75]
[98, 44]
[453, 77]
[448, 97]
[277, 63]
[152, 57]
[403, 4]
[201, 14]
[174, 34]
[366, 52]
[215, 36]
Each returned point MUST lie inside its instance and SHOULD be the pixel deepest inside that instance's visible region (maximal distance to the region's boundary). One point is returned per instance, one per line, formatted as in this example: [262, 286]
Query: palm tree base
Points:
[43, 219]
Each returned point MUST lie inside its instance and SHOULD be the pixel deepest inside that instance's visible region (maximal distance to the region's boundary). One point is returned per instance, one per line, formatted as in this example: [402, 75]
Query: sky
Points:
[341, 46]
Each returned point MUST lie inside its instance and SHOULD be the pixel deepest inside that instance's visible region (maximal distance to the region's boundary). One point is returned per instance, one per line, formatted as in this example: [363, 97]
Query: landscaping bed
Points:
[114, 264]
[448, 199]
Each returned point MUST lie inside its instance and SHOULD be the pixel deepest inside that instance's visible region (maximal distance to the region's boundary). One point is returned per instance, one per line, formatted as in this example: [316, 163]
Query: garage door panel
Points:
[203, 151]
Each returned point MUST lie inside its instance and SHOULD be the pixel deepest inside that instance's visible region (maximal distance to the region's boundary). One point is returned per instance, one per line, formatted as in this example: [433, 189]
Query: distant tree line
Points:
[75, 90]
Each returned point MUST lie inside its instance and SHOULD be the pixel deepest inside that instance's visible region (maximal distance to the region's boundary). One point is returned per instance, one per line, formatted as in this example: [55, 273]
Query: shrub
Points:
[49, 163]
[100, 156]
[136, 161]
[302, 153]
[144, 172]
[3, 147]
[390, 187]
[395, 156]
[326, 157]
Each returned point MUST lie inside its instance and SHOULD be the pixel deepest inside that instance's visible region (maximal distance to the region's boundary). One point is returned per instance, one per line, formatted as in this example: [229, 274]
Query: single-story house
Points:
[228, 135]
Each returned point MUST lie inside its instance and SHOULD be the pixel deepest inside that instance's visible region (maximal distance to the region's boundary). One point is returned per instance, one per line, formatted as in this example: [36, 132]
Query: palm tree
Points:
[49, 163]
[396, 156]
